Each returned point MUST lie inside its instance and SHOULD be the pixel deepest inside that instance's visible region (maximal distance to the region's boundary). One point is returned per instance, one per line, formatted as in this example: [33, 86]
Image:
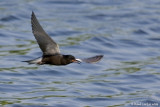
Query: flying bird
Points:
[51, 53]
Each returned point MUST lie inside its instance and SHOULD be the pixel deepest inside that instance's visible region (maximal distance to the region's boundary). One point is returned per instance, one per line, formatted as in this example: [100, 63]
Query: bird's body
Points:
[54, 60]
[50, 49]
[58, 59]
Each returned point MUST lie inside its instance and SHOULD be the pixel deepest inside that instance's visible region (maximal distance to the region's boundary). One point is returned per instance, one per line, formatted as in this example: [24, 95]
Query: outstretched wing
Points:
[93, 59]
[46, 43]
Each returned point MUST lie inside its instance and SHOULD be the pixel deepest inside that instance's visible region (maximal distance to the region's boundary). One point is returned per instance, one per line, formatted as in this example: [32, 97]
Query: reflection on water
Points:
[125, 32]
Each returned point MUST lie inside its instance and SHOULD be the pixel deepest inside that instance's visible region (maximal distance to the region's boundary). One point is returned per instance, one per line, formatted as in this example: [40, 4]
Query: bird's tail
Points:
[34, 61]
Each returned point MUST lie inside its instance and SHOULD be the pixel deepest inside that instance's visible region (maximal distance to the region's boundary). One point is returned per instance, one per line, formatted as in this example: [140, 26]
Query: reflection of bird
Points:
[50, 49]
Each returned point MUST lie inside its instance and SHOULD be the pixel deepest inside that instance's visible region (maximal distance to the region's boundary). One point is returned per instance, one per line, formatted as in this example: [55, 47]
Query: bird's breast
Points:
[54, 60]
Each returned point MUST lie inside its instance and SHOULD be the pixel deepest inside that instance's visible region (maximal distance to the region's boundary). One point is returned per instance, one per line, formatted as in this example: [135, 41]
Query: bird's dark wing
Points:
[46, 43]
[93, 59]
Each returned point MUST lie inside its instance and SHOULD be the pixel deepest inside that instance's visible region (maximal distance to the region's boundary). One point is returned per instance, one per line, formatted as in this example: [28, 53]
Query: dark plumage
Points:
[50, 49]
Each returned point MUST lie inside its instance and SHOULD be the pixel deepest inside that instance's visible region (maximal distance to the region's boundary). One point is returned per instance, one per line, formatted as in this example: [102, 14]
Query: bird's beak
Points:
[77, 61]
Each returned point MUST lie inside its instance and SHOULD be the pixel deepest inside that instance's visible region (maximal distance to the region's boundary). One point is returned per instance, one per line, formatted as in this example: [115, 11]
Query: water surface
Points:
[126, 32]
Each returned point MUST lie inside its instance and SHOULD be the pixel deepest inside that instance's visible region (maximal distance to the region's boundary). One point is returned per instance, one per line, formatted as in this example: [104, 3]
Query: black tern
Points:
[51, 53]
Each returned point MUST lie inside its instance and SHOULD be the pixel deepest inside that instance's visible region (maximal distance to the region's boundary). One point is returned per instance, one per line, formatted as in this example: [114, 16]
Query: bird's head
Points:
[71, 59]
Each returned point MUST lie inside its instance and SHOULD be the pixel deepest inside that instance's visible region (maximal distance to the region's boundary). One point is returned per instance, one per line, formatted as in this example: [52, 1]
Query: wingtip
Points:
[100, 56]
[93, 59]
[32, 12]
